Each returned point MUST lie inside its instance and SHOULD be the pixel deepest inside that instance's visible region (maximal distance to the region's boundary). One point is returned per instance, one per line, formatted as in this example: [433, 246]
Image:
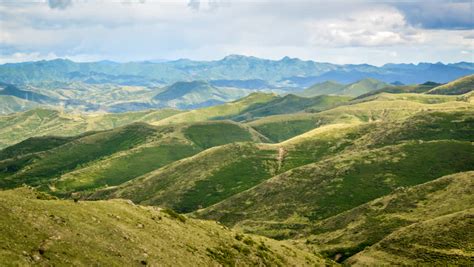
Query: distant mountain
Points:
[234, 70]
[457, 87]
[353, 89]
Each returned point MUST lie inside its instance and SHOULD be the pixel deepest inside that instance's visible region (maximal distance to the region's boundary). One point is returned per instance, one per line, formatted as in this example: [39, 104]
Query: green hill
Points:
[38, 230]
[457, 87]
[361, 87]
[338, 184]
[111, 157]
[350, 232]
[325, 88]
[230, 109]
[354, 89]
[17, 127]
[197, 94]
[401, 89]
[11, 104]
[288, 104]
[391, 107]
[445, 240]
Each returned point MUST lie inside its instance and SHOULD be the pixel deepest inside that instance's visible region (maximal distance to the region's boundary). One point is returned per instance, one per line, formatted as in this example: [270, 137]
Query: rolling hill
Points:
[354, 89]
[195, 94]
[17, 127]
[369, 180]
[93, 160]
[457, 87]
[442, 240]
[40, 230]
[348, 233]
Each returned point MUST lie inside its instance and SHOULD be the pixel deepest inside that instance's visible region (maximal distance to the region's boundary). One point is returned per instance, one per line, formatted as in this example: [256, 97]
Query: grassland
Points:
[39, 230]
[457, 87]
[350, 232]
[347, 179]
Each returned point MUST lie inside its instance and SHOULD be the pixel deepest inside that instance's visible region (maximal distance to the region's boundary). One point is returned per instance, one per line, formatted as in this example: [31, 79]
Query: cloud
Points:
[381, 27]
[455, 15]
[125, 30]
[59, 4]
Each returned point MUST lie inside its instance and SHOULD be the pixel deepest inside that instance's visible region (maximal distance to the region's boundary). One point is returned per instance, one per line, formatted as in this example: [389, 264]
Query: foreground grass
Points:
[38, 230]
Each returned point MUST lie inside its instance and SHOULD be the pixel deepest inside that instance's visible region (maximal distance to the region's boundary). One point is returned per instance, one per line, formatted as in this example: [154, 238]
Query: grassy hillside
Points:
[225, 110]
[37, 230]
[325, 88]
[11, 104]
[112, 157]
[457, 87]
[354, 89]
[403, 89]
[445, 240]
[390, 108]
[218, 173]
[337, 184]
[349, 232]
[197, 94]
[289, 104]
[17, 127]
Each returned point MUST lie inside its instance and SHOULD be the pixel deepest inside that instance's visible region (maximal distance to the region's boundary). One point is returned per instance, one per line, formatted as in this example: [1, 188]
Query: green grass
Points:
[445, 240]
[350, 232]
[287, 105]
[81, 151]
[457, 87]
[118, 233]
[344, 182]
[215, 134]
[18, 127]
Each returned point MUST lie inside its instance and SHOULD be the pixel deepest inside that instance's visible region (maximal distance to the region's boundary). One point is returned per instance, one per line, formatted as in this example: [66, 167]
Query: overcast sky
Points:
[374, 32]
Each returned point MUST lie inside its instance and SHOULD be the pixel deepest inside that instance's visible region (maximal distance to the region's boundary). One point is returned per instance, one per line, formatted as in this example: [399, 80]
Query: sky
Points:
[342, 32]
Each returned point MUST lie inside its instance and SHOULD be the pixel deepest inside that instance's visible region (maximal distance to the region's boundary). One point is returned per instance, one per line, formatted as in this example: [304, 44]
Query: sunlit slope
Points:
[225, 110]
[343, 182]
[39, 231]
[289, 104]
[387, 108]
[401, 89]
[445, 240]
[457, 87]
[350, 232]
[115, 156]
[218, 173]
[334, 88]
[17, 127]
[11, 104]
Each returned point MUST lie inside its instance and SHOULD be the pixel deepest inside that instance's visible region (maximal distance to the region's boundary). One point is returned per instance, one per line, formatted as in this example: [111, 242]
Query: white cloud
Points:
[338, 31]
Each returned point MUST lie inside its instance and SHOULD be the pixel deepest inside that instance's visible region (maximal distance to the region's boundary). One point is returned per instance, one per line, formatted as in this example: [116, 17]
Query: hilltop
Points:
[456, 87]
[354, 89]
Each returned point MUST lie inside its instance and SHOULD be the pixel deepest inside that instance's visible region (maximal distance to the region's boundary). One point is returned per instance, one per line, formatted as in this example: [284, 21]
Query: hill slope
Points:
[17, 127]
[457, 87]
[350, 232]
[195, 94]
[94, 160]
[445, 240]
[57, 232]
